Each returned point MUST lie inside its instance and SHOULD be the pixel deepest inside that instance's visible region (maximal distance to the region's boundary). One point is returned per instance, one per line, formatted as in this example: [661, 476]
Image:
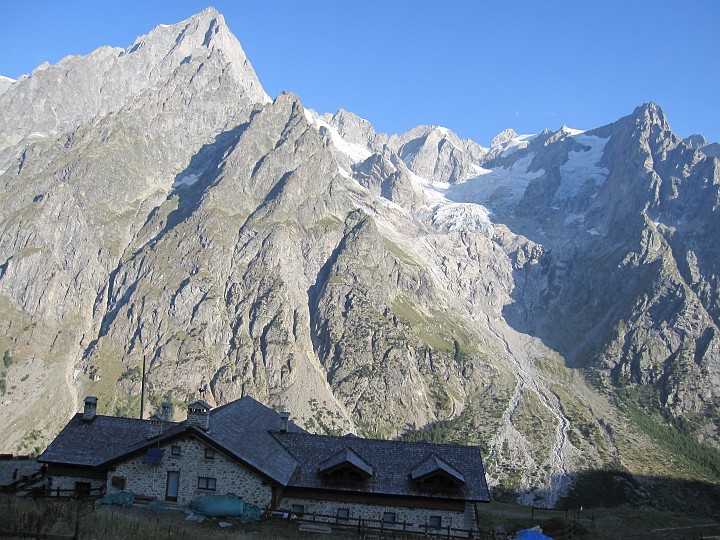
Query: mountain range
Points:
[552, 298]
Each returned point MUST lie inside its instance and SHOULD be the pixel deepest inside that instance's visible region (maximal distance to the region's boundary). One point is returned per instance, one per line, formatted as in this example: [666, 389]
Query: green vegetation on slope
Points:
[676, 438]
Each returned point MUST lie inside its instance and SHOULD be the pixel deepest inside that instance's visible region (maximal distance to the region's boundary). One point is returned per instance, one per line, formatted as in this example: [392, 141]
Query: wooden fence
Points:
[71, 493]
[378, 528]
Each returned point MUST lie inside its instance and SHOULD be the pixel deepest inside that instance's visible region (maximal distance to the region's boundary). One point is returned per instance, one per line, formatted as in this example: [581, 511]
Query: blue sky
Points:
[475, 67]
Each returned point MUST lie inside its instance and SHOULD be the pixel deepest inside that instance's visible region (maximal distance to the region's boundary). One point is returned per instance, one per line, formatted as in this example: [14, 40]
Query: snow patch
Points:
[8, 79]
[458, 217]
[571, 131]
[354, 151]
[581, 167]
[512, 145]
[492, 186]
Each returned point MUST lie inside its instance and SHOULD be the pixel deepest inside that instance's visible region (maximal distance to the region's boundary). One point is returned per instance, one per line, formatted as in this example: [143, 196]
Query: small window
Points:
[208, 483]
[175, 450]
[343, 513]
[435, 521]
[389, 517]
[209, 453]
[298, 510]
[118, 482]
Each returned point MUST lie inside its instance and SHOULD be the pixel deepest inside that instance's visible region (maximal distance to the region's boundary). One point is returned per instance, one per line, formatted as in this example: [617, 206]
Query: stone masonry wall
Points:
[415, 516]
[230, 477]
[68, 482]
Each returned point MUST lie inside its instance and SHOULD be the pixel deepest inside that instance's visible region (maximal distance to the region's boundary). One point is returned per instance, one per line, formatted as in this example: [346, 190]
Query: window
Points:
[209, 453]
[389, 517]
[205, 482]
[298, 510]
[438, 482]
[175, 450]
[343, 513]
[435, 521]
[118, 482]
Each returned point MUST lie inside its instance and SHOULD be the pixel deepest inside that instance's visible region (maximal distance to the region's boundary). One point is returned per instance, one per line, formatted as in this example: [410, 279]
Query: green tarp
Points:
[226, 506]
[123, 498]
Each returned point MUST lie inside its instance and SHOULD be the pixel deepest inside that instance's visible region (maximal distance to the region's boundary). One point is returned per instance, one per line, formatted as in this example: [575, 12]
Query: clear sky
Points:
[475, 67]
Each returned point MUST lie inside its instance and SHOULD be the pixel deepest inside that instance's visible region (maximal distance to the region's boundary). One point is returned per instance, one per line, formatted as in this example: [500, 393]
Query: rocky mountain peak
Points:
[503, 137]
[59, 98]
[649, 115]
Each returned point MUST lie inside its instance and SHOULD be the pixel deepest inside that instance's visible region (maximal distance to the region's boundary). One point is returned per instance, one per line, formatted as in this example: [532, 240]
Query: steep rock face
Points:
[387, 175]
[635, 288]
[437, 154]
[73, 201]
[56, 99]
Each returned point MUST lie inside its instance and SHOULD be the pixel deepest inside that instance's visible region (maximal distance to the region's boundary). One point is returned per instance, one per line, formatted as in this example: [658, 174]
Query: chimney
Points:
[284, 418]
[199, 414]
[90, 408]
[166, 411]
[156, 426]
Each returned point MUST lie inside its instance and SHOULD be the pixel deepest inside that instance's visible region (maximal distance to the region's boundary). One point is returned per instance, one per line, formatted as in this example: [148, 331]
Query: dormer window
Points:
[345, 467]
[434, 474]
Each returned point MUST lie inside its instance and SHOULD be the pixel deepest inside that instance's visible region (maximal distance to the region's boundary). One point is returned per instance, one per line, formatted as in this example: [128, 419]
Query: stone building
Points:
[249, 450]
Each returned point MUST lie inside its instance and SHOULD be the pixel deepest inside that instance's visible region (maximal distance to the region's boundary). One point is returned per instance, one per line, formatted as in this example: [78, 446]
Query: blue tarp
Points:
[226, 506]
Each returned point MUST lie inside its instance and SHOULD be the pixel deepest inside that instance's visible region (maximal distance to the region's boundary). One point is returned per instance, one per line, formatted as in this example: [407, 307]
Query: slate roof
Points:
[346, 455]
[241, 428]
[433, 464]
[249, 431]
[13, 469]
[91, 443]
[392, 463]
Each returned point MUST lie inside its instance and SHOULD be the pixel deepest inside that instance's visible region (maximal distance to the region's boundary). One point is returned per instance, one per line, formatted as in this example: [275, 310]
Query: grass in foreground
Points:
[134, 523]
[137, 523]
[600, 523]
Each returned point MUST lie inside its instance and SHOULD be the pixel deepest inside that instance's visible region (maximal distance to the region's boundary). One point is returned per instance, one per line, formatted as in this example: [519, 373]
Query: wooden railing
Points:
[71, 493]
[23, 480]
[367, 527]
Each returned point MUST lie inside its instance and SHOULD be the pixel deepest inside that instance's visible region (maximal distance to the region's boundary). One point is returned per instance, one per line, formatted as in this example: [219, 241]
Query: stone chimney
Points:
[90, 409]
[166, 411]
[156, 426]
[284, 419]
[199, 414]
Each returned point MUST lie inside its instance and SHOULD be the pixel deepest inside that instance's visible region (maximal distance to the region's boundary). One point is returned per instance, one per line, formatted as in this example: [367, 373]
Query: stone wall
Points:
[414, 516]
[150, 480]
[68, 483]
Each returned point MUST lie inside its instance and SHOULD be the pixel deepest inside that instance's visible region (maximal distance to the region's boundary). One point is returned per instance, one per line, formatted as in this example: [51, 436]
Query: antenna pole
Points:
[142, 391]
